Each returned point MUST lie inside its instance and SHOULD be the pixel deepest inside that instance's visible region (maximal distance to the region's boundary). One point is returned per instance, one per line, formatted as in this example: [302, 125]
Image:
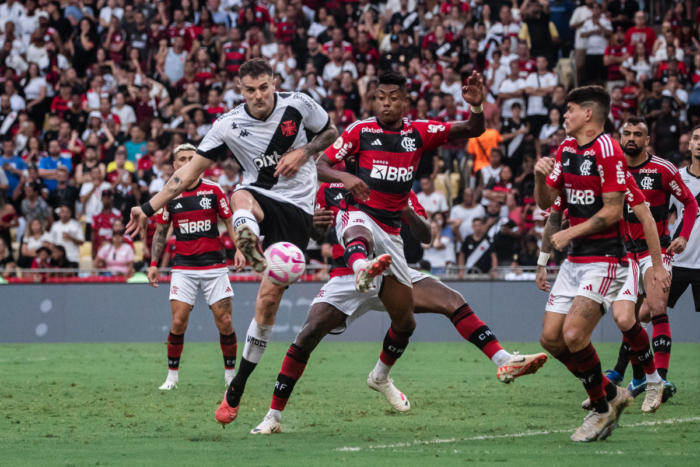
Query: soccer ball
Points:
[285, 263]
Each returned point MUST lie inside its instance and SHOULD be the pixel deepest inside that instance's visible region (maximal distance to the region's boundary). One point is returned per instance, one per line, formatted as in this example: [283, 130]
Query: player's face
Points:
[574, 118]
[388, 103]
[695, 144]
[259, 95]
[182, 159]
[634, 139]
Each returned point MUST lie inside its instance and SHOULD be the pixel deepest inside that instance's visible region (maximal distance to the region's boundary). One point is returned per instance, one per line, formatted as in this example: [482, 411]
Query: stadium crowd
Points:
[96, 94]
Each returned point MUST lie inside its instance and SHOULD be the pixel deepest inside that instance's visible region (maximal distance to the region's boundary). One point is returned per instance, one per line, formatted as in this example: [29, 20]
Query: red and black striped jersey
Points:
[386, 161]
[584, 174]
[194, 215]
[329, 196]
[659, 180]
[235, 56]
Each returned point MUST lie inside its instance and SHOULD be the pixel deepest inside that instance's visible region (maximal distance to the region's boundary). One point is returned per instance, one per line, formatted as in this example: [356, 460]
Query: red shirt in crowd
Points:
[630, 93]
[526, 67]
[430, 38]
[328, 47]
[185, 31]
[102, 224]
[235, 55]
[614, 73]
[215, 112]
[645, 35]
[60, 106]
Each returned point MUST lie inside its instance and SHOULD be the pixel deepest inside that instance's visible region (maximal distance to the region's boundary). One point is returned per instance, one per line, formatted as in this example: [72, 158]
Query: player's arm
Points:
[290, 164]
[323, 219]
[610, 214]
[159, 241]
[651, 235]
[418, 224]
[347, 144]
[554, 222]
[546, 194]
[473, 94]
[690, 209]
[239, 261]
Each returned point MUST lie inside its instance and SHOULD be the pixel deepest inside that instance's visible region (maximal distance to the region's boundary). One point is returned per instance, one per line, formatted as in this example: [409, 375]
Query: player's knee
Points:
[405, 326]
[179, 325]
[625, 321]
[224, 323]
[575, 339]
[550, 343]
[310, 336]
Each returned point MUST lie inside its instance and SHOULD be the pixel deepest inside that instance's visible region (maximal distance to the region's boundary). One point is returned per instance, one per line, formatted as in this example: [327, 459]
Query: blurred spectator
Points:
[64, 193]
[462, 215]
[489, 173]
[35, 237]
[622, 13]
[615, 55]
[505, 245]
[125, 112]
[158, 183]
[528, 254]
[452, 152]
[538, 31]
[597, 29]
[48, 166]
[476, 250]
[440, 252]
[116, 255]
[135, 145]
[12, 165]
[665, 131]
[641, 32]
[481, 149]
[7, 262]
[638, 64]
[91, 194]
[59, 261]
[513, 133]
[34, 206]
[230, 178]
[651, 106]
[547, 132]
[430, 199]
[8, 219]
[68, 233]
[539, 87]
[103, 222]
[512, 90]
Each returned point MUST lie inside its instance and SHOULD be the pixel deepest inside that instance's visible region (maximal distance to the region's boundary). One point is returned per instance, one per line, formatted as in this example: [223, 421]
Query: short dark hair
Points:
[254, 68]
[593, 97]
[393, 78]
[634, 120]
[695, 128]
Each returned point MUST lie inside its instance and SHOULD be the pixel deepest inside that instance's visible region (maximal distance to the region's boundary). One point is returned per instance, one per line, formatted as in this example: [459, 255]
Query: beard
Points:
[633, 150]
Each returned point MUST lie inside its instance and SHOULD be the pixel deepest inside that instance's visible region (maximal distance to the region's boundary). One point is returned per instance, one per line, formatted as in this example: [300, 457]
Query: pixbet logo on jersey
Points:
[382, 171]
[194, 226]
[267, 160]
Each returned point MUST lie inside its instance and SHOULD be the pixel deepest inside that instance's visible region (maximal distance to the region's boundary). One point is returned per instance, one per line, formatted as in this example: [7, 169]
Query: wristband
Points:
[543, 259]
[154, 264]
[147, 209]
[477, 109]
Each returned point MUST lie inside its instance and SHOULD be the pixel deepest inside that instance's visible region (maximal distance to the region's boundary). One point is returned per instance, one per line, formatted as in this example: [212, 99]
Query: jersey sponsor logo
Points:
[205, 203]
[166, 215]
[178, 206]
[435, 128]
[647, 183]
[648, 171]
[243, 133]
[366, 129]
[343, 151]
[289, 128]
[224, 205]
[195, 226]
[398, 174]
[205, 192]
[310, 104]
[339, 142]
[586, 167]
[267, 160]
[554, 176]
[676, 189]
[376, 142]
[580, 196]
[258, 342]
[620, 173]
[409, 144]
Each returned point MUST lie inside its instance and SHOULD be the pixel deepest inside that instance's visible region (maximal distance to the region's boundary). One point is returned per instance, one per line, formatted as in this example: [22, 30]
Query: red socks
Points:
[638, 340]
[471, 328]
[661, 340]
[292, 368]
[229, 349]
[592, 377]
[175, 343]
[393, 347]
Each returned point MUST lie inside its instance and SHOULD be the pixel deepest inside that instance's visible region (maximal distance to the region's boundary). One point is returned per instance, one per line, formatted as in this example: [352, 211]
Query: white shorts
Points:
[214, 283]
[340, 292]
[630, 289]
[645, 265]
[384, 243]
[600, 282]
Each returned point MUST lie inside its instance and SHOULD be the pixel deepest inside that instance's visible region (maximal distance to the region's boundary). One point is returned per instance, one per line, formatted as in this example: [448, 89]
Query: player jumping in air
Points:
[275, 138]
[590, 170]
[200, 263]
[660, 181]
[339, 303]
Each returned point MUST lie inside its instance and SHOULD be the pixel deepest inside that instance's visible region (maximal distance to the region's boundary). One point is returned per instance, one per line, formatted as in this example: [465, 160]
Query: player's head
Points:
[183, 154]
[390, 98]
[588, 108]
[695, 142]
[635, 136]
[257, 87]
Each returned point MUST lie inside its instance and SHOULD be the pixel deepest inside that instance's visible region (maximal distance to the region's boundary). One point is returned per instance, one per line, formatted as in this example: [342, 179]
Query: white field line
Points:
[670, 421]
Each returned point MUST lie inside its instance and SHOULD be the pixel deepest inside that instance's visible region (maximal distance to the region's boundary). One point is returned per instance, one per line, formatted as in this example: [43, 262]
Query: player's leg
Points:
[176, 340]
[358, 239]
[217, 291]
[661, 334]
[432, 296]
[247, 216]
[321, 320]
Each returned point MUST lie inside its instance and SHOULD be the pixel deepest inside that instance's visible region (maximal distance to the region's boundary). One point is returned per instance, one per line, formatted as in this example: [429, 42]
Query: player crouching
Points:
[200, 263]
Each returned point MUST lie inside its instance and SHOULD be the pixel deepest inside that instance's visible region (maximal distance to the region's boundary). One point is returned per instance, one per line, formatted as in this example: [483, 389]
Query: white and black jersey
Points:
[690, 258]
[258, 145]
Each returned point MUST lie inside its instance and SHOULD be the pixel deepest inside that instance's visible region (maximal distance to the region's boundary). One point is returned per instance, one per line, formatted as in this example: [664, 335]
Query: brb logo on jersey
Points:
[580, 196]
[382, 171]
[195, 226]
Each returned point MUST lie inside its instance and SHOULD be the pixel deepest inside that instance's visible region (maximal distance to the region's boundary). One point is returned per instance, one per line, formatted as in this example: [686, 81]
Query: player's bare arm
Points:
[292, 162]
[160, 238]
[323, 219]
[544, 194]
[473, 94]
[610, 214]
[553, 226]
[326, 173]
[651, 234]
[239, 261]
[420, 228]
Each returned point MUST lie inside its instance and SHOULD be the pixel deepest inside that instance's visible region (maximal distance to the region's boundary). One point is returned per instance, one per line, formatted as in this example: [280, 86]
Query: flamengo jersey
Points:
[584, 174]
[258, 145]
[194, 215]
[690, 258]
[659, 180]
[386, 161]
[329, 197]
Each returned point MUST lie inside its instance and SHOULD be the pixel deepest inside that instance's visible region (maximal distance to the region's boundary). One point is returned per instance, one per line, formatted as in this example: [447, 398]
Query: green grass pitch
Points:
[99, 404]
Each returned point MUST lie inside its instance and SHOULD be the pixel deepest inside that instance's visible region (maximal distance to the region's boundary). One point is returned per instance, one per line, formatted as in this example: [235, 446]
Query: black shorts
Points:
[680, 280]
[283, 222]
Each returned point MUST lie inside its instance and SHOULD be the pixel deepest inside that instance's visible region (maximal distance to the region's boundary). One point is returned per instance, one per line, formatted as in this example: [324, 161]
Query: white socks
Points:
[655, 377]
[256, 341]
[172, 375]
[381, 371]
[276, 414]
[228, 375]
[646, 326]
[357, 265]
[500, 358]
[243, 216]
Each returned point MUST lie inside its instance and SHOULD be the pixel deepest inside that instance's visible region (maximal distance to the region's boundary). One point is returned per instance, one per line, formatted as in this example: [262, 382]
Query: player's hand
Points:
[153, 276]
[541, 279]
[357, 187]
[678, 245]
[662, 277]
[323, 218]
[291, 163]
[561, 239]
[239, 261]
[544, 167]
[473, 92]
[137, 223]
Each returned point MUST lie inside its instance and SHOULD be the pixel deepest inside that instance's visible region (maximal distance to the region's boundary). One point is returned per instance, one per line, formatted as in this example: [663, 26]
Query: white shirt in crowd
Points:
[434, 202]
[641, 67]
[126, 115]
[72, 228]
[581, 14]
[467, 216]
[331, 70]
[497, 75]
[13, 13]
[93, 205]
[509, 86]
[17, 102]
[597, 42]
[35, 243]
[535, 104]
[440, 258]
[548, 130]
[32, 90]
[456, 90]
[279, 67]
[106, 13]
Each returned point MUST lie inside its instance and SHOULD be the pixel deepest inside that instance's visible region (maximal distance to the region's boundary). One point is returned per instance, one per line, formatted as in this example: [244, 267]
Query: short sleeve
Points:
[79, 232]
[677, 186]
[416, 206]
[314, 116]
[347, 144]
[556, 178]
[612, 165]
[213, 145]
[434, 134]
[163, 215]
[633, 195]
[321, 197]
[222, 206]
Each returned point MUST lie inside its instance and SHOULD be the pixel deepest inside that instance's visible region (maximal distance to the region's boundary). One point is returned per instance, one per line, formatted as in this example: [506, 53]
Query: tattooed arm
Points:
[610, 214]
[553, 226]
[159, 241]
[290, 164]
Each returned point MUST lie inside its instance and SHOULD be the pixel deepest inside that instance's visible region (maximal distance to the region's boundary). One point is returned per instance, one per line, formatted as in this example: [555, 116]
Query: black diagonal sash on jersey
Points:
[281, 142]
[478, 252]
[677, 233]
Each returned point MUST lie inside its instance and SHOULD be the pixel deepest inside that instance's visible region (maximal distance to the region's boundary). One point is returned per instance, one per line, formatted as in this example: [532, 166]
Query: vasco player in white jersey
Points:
[388, 149]
[590, 170]
[275, 138]
[200, 264]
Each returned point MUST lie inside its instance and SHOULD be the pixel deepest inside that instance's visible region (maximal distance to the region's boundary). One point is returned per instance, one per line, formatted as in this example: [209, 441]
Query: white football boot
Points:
[396, 398]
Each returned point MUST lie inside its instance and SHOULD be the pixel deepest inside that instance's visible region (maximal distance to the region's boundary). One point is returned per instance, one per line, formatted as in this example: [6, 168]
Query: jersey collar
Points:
[588, 145]
[687, 169]
[393, 130]
[637, 167]
[274, 106]
[196, 187]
